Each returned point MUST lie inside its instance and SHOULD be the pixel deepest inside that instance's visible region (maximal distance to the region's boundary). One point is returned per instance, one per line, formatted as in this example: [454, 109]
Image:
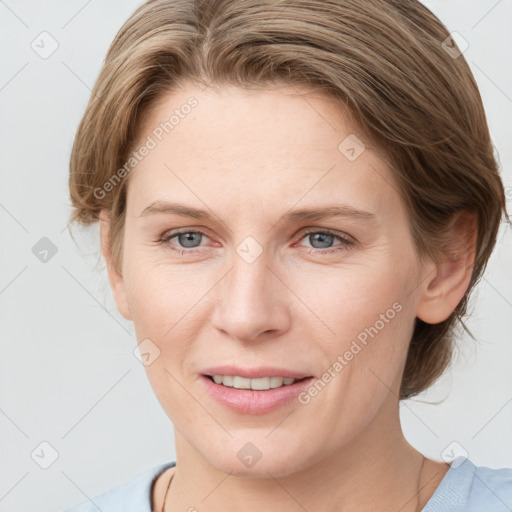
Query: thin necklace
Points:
[417, 494]
[167, 492]
[419, 482]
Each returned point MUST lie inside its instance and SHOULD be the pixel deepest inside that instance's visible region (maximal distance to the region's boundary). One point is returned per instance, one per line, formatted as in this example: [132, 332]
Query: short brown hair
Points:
[385, 60]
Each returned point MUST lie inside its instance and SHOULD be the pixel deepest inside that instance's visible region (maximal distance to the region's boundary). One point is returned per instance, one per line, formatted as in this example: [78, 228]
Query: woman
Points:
[296, 199]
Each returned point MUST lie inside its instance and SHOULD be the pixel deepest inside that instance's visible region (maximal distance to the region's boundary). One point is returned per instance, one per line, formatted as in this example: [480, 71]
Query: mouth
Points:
[254, 396]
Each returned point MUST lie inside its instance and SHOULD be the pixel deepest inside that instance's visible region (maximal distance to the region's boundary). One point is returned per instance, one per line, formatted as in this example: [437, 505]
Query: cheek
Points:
[366, 324]
[160, 295]
[349, 299]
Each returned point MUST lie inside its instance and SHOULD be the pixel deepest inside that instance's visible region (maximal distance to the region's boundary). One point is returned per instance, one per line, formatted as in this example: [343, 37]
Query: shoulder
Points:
[470, 488]
[492, 488]
[134, 496]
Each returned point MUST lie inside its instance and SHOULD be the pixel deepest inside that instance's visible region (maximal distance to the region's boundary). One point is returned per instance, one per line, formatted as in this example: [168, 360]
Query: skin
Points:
[249, 157]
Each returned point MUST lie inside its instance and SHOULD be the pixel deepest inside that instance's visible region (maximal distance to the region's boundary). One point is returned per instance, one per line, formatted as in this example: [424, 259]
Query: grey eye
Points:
[324, 239]
[189, 238]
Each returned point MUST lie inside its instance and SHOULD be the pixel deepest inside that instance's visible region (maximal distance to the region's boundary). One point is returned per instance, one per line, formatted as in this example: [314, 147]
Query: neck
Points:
[377, 470]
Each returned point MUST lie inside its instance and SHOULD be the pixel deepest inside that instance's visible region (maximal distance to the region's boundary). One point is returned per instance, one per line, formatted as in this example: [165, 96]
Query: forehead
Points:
[257, 146]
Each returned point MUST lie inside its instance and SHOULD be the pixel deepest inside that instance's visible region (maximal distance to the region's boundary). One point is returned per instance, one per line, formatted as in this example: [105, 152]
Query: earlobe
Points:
[114, 276]
[445, 282]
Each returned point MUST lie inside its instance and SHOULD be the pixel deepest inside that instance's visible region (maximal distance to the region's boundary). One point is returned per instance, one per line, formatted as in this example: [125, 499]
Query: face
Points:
[250, 283]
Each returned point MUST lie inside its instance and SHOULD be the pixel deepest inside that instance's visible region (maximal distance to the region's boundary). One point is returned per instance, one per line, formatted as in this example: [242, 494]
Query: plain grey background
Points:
[69, 378]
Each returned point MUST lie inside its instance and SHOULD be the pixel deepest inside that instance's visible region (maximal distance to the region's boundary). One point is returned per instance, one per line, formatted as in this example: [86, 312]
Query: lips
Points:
[255, 373]
[248, 401]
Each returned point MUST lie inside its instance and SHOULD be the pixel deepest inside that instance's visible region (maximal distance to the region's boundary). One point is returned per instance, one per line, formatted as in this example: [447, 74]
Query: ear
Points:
[114, 276]
[445, 282]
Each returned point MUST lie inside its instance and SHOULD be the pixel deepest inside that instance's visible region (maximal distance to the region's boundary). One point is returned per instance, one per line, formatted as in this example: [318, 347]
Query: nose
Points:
[253, 301]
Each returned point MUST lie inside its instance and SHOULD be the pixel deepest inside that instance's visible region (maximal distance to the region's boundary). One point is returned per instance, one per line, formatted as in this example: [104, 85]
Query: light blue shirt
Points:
[464, 488]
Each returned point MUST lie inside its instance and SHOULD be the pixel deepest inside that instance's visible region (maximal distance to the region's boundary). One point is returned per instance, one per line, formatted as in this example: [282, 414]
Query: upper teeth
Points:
[259, 384]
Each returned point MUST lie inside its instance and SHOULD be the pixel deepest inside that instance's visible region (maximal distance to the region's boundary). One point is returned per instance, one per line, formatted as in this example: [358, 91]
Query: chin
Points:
[244, 459]
[261, 469]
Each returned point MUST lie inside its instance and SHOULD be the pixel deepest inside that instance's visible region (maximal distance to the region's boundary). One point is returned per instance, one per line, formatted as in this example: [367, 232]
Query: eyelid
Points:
[339, 234]
[171, 233]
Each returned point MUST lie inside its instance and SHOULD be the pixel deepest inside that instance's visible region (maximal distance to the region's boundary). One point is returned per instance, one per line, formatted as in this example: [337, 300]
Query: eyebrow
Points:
[306, 214]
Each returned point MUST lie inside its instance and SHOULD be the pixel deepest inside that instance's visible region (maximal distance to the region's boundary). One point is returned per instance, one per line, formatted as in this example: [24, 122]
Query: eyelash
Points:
[346, 242]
